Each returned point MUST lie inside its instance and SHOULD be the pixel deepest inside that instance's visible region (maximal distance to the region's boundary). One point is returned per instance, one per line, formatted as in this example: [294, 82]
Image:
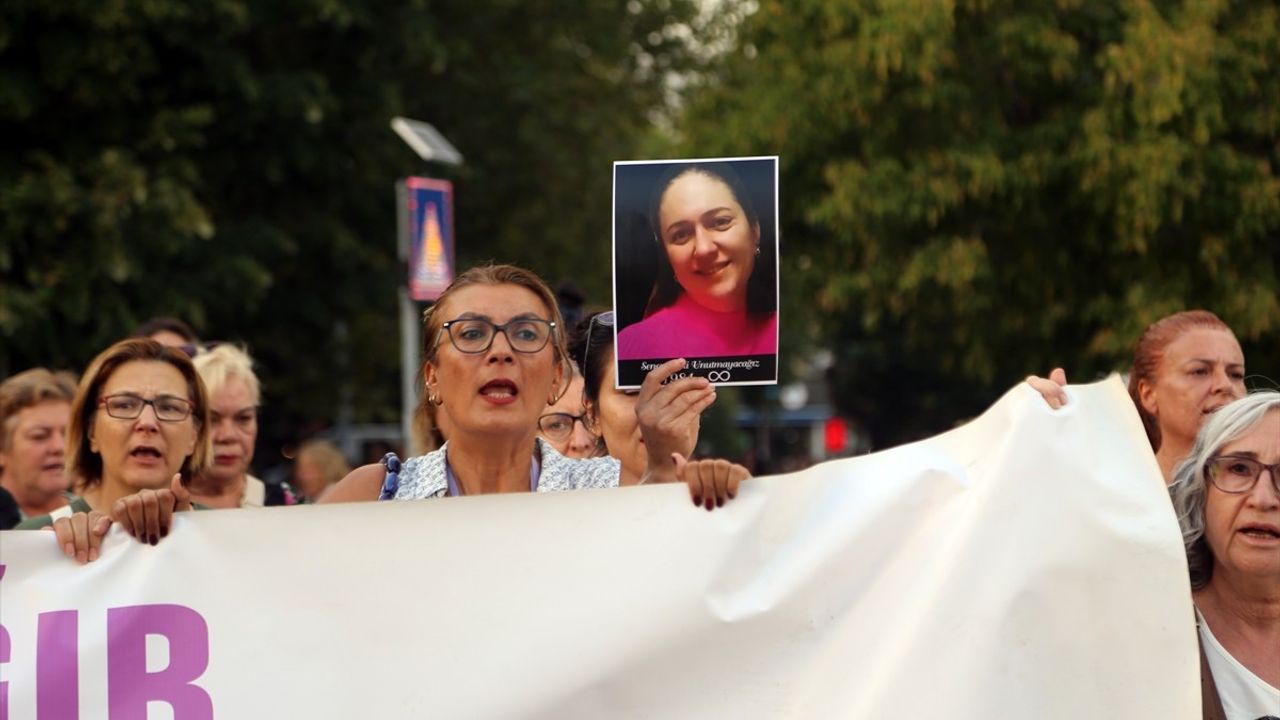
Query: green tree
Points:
[976, 190]
[231, 163]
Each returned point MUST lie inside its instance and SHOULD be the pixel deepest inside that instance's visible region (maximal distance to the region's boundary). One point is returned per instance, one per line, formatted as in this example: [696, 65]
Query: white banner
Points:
[1025, 565]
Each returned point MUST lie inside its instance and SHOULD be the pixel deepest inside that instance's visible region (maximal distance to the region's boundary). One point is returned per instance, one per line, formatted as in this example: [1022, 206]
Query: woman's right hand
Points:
[80, 535]
[1051, 388]
[669, 415]
[148, 514]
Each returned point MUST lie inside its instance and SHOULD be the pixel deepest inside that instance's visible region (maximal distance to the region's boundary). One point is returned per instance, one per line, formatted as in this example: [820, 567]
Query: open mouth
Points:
[1261, 532]
[225, 459]
[145, 453]
[499, 389]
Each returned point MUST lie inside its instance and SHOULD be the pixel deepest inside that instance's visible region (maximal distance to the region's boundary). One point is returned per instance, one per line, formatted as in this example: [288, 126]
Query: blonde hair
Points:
[327, 458]
[28, 389]
[224, 362]
[85, 465]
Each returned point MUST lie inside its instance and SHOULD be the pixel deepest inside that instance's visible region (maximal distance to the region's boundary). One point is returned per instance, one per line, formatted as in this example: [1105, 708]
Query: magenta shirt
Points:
[689, 330]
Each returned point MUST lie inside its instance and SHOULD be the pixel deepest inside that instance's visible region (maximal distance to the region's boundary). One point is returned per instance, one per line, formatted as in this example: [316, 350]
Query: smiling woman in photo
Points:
[708, 299]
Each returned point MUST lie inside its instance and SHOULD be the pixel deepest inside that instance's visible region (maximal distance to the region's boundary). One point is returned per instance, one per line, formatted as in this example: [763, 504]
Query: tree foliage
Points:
[976, 190]
[231, 163]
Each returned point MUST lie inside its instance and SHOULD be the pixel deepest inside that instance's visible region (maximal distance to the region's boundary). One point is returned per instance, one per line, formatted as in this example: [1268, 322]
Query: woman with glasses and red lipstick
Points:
[495, 360]
[1227, 498]
[139, 422]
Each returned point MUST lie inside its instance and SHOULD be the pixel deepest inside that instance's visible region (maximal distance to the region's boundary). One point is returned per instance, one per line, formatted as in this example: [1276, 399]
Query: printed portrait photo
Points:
[695, 270]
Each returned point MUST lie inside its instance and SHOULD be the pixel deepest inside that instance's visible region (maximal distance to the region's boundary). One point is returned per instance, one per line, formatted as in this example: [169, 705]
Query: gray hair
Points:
[1190, 486]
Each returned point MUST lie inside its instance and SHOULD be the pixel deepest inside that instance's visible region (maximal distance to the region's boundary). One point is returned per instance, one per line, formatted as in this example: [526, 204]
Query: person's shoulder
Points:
[563, 473]
[40, 522]
[637, 340]
[360, 485]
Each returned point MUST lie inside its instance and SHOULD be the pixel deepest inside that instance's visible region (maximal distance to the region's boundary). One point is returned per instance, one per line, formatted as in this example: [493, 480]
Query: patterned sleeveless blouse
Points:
[424, 476]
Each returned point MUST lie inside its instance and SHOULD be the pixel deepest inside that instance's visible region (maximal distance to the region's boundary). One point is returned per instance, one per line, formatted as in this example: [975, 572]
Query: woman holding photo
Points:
[707, 301]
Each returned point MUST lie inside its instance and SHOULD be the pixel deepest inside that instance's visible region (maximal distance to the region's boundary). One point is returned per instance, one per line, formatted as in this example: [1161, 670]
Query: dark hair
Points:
[83, 463]
[166, 324]
[591, 348]
[761, 288]
[1150, 351]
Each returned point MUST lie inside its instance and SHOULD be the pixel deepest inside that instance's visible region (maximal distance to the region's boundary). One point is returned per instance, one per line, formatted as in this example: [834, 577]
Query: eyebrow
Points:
[712, 211]
[481, 316]
[1211, 361]
[1251, 455]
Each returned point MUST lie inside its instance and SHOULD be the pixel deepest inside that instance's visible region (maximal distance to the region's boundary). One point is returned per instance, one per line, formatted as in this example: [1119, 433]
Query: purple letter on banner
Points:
[6, 645]
[130, 686]
[57, 666]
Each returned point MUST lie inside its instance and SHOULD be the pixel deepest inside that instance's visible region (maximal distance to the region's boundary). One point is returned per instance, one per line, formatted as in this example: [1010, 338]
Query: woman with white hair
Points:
[1227, 497]
[234, 396]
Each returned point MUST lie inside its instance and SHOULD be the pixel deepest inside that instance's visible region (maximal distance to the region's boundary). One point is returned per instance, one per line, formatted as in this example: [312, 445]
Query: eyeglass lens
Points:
[1238, 474]
[475, 335]
[129, 407]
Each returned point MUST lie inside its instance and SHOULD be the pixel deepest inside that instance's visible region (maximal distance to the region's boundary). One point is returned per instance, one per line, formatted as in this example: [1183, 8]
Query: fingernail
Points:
[164, 532]
[93, 554]
[69, 549]
[153, 539]
[733, 495]
[696, 501]
[80, 558]
[719, 502]
[710, 504]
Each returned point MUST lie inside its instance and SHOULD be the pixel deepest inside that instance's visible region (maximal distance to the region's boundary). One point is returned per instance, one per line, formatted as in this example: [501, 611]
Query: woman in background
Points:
[234, 396]
[1185, 366]
[35, 406]
[1227, 498]
[319, 466]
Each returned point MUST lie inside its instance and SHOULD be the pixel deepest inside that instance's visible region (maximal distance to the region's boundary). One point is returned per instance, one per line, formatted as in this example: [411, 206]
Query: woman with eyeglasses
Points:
[139, 422]
[495, 359]
[565, 424]
[1227, 498]
[625, 425]
[1185, 366]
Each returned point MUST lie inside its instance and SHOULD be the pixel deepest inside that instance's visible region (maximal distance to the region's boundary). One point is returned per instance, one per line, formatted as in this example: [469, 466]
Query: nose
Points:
[1265, 494]
[148, 418]
[1222, 381]
[503, 352]
[581, 440]
[704, 244]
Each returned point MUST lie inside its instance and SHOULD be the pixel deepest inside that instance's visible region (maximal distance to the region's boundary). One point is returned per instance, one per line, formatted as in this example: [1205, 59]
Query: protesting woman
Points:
[1227, 498]
[1185, 366]
[139, 421]
[35, 407]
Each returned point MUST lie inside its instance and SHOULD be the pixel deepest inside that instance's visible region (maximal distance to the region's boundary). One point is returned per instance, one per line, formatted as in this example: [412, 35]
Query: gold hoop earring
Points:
[434, 399]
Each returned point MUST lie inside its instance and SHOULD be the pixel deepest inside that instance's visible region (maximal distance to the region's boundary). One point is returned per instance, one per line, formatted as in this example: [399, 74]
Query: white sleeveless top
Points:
[1245, 696]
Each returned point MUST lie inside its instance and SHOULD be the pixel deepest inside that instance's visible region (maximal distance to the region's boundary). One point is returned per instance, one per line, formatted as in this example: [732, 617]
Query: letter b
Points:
[130, 686]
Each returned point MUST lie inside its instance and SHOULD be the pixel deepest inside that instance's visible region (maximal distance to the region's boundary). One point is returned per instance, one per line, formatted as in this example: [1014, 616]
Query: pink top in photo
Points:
[689, 330]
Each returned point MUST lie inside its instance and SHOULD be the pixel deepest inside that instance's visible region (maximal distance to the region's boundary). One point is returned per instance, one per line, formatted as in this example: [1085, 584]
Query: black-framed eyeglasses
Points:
[559, 425]
[1237, 474]
[475, 335]
[127, 406]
